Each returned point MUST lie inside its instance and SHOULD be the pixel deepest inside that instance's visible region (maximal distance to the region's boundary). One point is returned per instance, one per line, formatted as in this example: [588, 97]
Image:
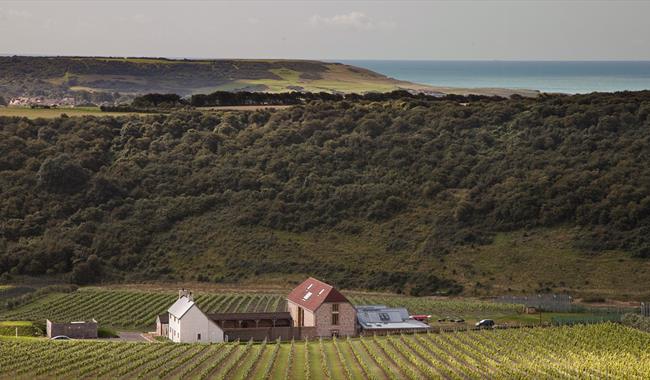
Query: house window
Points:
[198, 336]
[335, 314]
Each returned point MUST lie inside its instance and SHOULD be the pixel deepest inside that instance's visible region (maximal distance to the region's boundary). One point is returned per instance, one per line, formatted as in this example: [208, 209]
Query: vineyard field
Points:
[137, 309]
[593, 351]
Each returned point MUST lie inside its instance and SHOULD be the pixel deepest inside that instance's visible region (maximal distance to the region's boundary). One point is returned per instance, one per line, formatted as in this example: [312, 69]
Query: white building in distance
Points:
[188, 324]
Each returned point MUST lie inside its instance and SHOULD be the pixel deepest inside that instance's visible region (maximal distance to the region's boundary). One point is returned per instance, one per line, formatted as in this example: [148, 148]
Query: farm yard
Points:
[593, 351]
[138, 309]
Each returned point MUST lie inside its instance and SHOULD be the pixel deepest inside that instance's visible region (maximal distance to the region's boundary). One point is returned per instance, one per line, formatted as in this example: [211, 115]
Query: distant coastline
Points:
[571, 77]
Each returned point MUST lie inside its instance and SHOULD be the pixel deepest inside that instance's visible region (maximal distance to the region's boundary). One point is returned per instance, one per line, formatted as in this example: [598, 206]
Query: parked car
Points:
[60, 337]
[458, 320]
[420, 317]
[485, 323]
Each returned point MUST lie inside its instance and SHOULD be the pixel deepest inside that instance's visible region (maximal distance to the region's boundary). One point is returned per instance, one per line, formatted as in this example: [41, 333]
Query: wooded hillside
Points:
[365, 194]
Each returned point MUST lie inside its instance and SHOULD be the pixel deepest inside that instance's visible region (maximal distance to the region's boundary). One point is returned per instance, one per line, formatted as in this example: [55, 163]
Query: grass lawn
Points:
[25, 328]
[525, 262]
[35, 113]
[16, 323]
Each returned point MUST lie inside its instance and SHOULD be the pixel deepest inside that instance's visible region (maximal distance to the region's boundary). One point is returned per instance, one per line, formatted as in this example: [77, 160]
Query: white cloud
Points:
[352, 20]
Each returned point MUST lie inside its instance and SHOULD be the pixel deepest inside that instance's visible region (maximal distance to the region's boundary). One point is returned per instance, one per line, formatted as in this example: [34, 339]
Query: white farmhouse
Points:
[188, 324]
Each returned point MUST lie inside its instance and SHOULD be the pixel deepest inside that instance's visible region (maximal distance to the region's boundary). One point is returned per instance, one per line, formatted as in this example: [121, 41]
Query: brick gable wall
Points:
[347, 320]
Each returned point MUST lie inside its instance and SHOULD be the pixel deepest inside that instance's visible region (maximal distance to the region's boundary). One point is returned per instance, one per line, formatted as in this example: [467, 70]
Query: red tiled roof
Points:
[312, 293]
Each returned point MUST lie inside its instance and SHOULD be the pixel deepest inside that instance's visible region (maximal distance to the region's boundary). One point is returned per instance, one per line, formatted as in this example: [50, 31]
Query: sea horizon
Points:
[550, 76]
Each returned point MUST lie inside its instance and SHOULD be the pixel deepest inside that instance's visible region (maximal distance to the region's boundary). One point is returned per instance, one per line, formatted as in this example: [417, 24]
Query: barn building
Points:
[379, 320]
[256, 326]
[320, 310]
[188, 324]
[74, 330]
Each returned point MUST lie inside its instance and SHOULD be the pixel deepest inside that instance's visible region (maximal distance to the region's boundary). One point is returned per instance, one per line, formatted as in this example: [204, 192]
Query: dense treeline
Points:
[163, 102]
[243, 98]
[90, 196]
[224, 98]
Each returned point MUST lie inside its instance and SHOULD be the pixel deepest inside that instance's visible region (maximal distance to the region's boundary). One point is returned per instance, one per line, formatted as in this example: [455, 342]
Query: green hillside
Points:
[69, 75]
[418, 196]
[102, 79]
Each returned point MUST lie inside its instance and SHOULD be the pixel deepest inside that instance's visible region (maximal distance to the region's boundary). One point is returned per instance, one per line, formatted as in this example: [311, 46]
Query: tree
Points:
[61, 174]
[87, 272]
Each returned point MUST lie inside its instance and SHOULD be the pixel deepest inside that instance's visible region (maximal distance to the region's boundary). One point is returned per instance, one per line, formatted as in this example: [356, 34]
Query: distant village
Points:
[44, 102]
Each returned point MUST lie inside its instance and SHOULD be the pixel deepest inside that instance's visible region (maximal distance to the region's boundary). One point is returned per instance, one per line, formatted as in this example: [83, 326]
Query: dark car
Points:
[485, 323]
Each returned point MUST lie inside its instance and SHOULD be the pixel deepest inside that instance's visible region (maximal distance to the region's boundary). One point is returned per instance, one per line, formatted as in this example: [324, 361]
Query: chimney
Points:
[185, 293]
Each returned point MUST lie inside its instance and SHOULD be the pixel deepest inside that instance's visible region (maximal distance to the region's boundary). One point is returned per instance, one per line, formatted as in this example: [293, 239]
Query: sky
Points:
[331, 30]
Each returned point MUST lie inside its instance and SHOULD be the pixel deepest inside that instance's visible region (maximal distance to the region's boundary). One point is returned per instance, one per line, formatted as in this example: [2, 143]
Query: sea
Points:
[571, 77]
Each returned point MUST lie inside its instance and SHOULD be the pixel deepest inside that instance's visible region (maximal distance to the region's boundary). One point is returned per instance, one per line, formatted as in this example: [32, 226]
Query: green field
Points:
[35, 113]
[594, 351]
[138, 309]
[538, 260]
[22, 328]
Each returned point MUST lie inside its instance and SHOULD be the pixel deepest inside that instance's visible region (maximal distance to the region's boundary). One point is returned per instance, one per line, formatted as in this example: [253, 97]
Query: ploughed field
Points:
[138, 309]
[592, 351]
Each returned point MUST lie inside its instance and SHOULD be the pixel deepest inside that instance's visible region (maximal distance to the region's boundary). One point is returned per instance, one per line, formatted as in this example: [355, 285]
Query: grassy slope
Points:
[520, 261]
[517, 262]
[336, 78]
[54, 112]
[23, 328]
[286, 75]
[35, 113]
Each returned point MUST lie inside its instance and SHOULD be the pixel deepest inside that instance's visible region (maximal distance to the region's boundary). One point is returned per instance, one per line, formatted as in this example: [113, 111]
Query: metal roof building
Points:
[378, 319]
